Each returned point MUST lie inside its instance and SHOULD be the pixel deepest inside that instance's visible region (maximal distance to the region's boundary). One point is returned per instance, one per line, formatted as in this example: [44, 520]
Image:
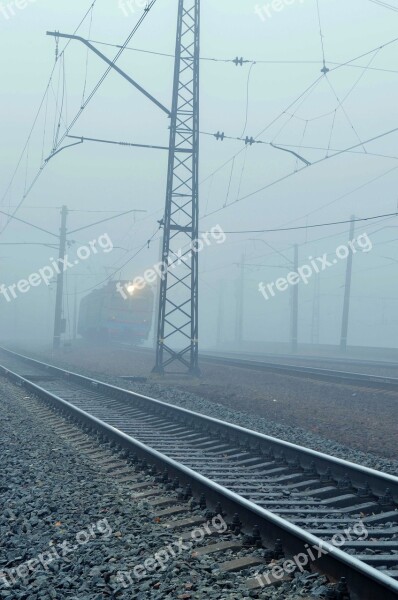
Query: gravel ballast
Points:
[54, 500]
[356, 425]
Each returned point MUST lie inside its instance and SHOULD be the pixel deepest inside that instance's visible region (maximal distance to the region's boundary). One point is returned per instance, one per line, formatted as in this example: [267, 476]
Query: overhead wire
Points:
[30, 224]
[218, 169]
[375, 52]
[345, 112]
[57, 124]
[385, 4]
[359, 152]
[87, 55]
[56, 101]
[316, 225]
[120, 267]
[340, 103]
[44, 129]
[334, 235]
[292, 173]
[331, 132]
[241, 173]
[277, 252]
[223, 60]
[36, 117]
[26, 168]
[126, 212]
[93, 92]
[241, 135]
[325, 71]
[209, 193]
[321, 35]
[345, 195]
[248, 142]
[247, 99]
[365, 69]
[229, 183]
[301, 143]
[250, 61]
[314, 83]
[65, 83]
[381, 47]
[246, 146]
[269, 143]
[108, 70]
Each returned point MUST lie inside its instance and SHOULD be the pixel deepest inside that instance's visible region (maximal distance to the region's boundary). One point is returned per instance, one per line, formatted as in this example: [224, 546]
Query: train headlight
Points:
[131, 289]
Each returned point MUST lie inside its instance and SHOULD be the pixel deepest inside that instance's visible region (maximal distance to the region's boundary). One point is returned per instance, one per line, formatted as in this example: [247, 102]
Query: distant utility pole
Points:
[75, 313]
[240, 298]
[316, 311]
[156, 307]
[295, 303]
[58, 328]
[347, 293]
[220, 319]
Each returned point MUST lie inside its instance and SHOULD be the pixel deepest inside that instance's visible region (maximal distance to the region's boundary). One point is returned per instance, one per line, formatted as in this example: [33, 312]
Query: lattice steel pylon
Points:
[177, 339]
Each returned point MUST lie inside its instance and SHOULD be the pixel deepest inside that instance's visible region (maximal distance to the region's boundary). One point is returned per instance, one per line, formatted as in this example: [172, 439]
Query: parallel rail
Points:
[292, 493]
[346, 361]
[320, 374]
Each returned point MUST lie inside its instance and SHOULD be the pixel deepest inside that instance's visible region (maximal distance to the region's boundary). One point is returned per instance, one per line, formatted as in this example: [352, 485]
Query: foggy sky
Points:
[98, 177]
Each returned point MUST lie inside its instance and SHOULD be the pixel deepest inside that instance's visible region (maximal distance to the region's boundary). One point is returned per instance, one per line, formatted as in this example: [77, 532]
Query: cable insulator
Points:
[250, 141]
[219, 136]
[56, 48]
[238, 61]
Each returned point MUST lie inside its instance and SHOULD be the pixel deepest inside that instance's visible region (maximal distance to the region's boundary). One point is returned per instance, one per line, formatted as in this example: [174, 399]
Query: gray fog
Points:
[277, 96]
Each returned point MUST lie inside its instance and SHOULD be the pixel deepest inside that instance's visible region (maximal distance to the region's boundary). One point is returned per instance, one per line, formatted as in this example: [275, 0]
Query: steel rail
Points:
[317, 373]
[366, 582]
[359, 475]
[280, 358]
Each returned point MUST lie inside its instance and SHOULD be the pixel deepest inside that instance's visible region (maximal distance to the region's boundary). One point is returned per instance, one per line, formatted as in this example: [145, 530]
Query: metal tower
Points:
[177, 339]
[177, 336]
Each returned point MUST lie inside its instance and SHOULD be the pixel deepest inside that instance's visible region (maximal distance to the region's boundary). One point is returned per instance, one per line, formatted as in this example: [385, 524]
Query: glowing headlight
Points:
[131, 289]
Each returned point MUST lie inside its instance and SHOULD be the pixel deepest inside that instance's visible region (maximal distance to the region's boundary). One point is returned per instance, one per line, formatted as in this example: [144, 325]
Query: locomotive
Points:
[106, 314]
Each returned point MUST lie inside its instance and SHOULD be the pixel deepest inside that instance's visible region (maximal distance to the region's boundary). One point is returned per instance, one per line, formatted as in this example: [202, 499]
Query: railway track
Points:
[385, 383]
[303, 498]
[296, 359]
[362, 380]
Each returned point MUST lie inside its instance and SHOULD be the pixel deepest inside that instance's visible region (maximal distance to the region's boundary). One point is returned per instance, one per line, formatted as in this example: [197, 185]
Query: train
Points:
[117, 311]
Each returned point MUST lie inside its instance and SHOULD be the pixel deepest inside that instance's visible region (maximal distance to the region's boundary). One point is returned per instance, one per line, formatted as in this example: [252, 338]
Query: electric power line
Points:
[312, 226]
[257, 61]
[384, 4]
[40, 107]
[93, 92]
[291, 174]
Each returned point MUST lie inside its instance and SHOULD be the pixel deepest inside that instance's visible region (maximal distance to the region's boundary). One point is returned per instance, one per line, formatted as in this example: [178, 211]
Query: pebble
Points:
[197, 403]
[50, 494]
